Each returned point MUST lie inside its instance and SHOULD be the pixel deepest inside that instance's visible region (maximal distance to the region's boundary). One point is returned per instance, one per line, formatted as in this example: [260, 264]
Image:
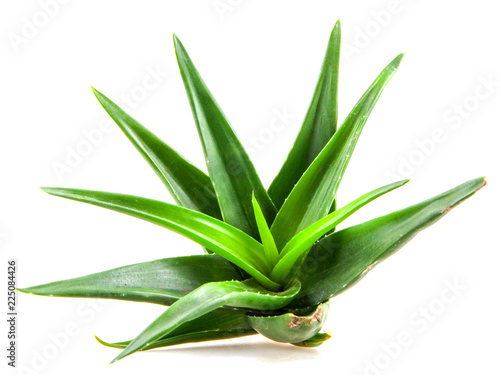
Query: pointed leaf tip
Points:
[345, 257]
[161, 281]
[47, 190]
[302, 242]
[232, 173]
[318, 126]
[101, 98]
[266, 238]
[207, 298]
[177, 44]
[176, 39]
[313, 195]
[484, 182]
[397, 60]
[213, 326]
[235, 245]
[337, 27]
[189, 186]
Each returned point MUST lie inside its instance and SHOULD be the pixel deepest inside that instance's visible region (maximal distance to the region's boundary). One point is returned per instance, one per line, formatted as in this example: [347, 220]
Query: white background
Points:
[258, 57]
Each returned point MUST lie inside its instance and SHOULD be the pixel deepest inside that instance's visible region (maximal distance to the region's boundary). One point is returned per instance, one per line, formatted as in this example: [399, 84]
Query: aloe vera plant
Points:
[273, 258]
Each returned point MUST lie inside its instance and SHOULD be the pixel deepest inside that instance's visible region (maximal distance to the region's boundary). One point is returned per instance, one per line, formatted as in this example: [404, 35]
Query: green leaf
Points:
[189, 186]
[232, 173]
[223, 239]
[247, 294]
[312, 197]
[212, 326]
[318, 127]
[302, 242]
[315, 341]
[341, 259]
[188, 338]
[162, 281]
[290, 327]
[266, 237]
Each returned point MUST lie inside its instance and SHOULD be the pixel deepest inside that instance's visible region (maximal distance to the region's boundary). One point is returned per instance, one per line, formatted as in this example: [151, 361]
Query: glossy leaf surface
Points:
[189, 186]
[341, 259]
[312, 197]
[232, 173]
[223, 239]
[247, 294]
[299, 263]
[266, 237]
[212, 326]
[162, 281]
[303, 241]
[318, 127]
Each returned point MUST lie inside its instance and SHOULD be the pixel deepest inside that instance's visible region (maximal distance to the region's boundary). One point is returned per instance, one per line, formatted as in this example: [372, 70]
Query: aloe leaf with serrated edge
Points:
[161, 281]
[266, 237]
[246, 294]
[233, 174]
[189, 186]
[318, 127]
[223, 239]
[341, 259]
[303, 241]
[312, 197]
[212, 326]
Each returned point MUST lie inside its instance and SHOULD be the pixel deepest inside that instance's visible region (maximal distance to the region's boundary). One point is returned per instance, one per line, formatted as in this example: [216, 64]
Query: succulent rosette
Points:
[273, 258]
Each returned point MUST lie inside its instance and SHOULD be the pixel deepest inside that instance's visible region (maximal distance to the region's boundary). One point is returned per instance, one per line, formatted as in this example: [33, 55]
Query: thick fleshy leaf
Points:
[223, 239]
[302, 242]
[162, 281]
[232, 173]
[341, 259]
[189, 186]
[212, 326]
[312, 197]
[266, 237]
[246, 294]
[290, 327]
[318, 127]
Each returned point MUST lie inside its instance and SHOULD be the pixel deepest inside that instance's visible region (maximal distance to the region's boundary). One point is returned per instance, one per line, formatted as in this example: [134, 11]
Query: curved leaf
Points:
[266, 237]
[161, 281]
[246, 294]
[341, 259]
[289, 327]
[303, 241]
[315, 341]
[189, 186]
[232, 173]
[212, 326]
[318, 127]
[312, 197]
[223, 239]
